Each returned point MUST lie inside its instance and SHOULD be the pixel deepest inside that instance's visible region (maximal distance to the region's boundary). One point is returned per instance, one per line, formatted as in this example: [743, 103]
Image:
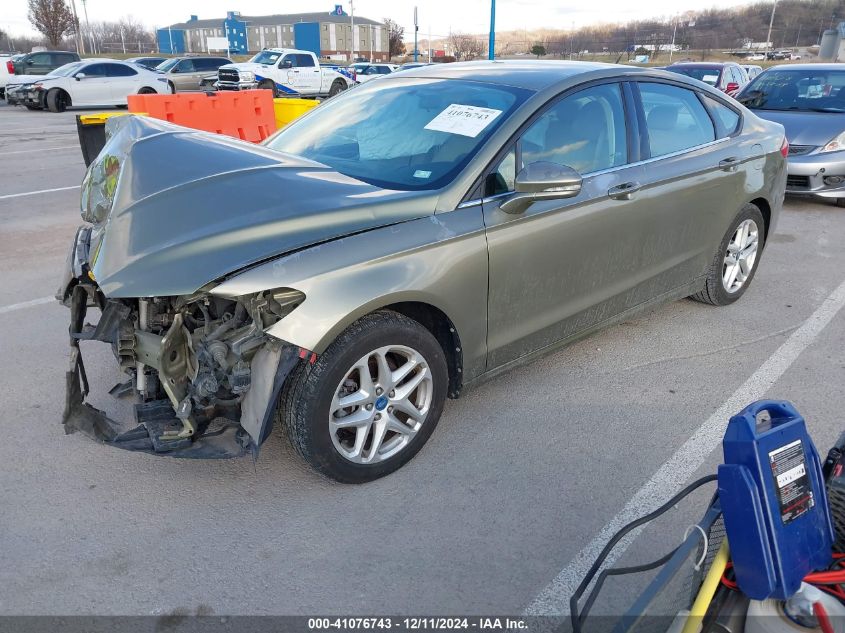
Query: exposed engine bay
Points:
[205, 374]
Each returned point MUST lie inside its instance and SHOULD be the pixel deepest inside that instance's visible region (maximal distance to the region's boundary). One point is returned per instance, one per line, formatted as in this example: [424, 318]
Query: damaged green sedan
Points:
[404, 240]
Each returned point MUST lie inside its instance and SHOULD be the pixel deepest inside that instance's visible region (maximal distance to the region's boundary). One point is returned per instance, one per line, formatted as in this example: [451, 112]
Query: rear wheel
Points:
[268, 84]
[736, 259]
[146, 90]
[337, 87]
[57, 100]
[370, 401]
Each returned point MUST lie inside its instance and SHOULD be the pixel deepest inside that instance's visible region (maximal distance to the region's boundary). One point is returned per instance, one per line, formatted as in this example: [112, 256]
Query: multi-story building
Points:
[327, 34]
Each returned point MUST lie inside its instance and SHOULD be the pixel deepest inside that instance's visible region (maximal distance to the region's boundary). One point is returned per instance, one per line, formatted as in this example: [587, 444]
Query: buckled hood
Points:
[174, 209]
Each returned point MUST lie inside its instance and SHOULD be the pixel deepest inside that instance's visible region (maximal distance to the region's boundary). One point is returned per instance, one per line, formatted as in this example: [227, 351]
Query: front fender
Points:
[437, 260]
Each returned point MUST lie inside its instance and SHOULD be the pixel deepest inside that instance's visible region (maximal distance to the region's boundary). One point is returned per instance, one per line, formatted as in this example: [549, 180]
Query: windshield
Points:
[707, 75]
[65, 71]
[402, 134]
[266, 57]
[167, 65]
[796, 89]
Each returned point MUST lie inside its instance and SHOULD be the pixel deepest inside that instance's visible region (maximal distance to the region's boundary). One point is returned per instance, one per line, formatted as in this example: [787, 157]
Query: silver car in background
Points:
[809, 101]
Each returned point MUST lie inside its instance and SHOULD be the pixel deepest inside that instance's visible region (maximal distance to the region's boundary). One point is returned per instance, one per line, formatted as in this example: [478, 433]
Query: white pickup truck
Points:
[287, 72]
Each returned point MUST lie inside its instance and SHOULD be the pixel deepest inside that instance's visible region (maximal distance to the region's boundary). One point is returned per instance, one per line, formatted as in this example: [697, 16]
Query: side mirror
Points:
[732, 87]
[79, 76]
[542, 181]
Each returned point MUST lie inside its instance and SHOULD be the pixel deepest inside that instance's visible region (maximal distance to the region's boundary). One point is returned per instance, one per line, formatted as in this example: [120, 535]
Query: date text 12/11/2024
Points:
[417, 623]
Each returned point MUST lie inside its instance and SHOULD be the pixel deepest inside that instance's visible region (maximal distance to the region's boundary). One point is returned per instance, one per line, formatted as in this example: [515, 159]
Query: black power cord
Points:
[579, 617]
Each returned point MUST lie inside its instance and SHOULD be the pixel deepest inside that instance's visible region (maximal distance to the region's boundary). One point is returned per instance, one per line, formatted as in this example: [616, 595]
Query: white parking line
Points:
[34, 193]
[43, 149]
[671, 477]
[26, 304]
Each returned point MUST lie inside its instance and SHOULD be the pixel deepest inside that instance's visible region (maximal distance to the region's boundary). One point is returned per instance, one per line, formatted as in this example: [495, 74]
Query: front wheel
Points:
[736, 259]
[57, 100]
[370, 401]
[267, 84]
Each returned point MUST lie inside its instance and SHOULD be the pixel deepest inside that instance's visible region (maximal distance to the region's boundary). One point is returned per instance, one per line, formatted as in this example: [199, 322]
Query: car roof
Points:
[820, 66]
[702, 64]
[530, 74]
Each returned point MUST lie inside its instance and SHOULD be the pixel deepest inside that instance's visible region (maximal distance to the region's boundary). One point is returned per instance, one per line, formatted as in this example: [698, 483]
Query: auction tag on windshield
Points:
[465, 120]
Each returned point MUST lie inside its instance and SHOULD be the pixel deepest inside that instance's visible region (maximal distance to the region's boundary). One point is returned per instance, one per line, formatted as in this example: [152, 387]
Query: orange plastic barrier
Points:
[247, 114]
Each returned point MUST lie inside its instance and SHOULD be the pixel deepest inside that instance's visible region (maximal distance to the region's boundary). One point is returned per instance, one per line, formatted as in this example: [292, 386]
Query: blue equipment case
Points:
[773, 498]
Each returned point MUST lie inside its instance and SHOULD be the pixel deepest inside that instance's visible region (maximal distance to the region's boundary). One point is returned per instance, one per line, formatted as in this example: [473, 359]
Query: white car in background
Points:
[90, 82]
[365, 71]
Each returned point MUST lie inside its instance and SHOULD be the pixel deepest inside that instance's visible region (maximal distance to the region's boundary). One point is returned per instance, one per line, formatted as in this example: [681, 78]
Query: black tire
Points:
[304, 407]
[146, 90]
[172, 87]
[57, 100]
[840, 202]
[268, 84]
[337, 87]
[714, 291]
[33, 107]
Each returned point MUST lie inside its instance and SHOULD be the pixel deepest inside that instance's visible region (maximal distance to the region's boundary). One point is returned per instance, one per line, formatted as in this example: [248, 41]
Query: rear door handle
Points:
[625, 191]
[729, 164]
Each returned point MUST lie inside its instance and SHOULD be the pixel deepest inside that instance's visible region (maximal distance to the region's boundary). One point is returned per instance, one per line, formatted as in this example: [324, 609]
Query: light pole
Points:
[352, 24]
[491, 46]
[416, 29]
[771, 21]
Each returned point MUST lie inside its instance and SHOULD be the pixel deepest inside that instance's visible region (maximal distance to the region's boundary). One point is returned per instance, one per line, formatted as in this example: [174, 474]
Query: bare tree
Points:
[52, 18]
[395, 33]
[466, 47]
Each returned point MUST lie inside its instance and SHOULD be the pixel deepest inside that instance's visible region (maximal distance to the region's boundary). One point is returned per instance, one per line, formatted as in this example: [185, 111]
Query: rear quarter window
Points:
[726, 118]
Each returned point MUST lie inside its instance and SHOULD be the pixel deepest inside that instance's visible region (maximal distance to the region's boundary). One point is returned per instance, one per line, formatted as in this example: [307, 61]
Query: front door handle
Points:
[729, 164]
[625, 191]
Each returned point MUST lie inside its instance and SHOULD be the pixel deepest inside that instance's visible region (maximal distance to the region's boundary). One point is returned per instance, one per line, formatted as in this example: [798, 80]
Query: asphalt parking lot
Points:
[499, 512]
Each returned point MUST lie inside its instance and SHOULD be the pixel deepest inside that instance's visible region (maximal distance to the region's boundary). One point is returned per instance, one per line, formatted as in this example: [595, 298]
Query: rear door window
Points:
[675, 119]
[304, 61]
[119, 70]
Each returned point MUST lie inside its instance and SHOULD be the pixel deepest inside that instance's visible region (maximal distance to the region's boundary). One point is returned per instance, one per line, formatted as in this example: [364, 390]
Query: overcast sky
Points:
[472, 16]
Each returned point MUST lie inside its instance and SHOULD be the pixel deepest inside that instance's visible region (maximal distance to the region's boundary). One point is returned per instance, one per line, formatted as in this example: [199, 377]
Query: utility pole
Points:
[672, 46]
[88, 26]
[352, 24]
[80, 44]
[170, 33]
[429, 43]
[416, 29]
[771, 21]
[122, 41]
[491, 46]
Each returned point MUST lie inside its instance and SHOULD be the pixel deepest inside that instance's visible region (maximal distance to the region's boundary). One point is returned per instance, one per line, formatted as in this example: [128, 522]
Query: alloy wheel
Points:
[380, 404]
[740, 256]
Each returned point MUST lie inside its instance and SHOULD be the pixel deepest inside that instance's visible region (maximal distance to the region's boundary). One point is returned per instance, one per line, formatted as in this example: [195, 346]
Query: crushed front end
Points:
[205, 376]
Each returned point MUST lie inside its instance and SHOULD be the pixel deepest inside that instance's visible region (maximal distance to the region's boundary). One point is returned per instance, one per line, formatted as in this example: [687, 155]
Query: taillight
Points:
[784, 148]
[10, 66]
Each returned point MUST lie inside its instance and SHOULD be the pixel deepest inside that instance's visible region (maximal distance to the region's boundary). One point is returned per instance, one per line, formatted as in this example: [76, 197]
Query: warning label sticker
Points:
[791, 481]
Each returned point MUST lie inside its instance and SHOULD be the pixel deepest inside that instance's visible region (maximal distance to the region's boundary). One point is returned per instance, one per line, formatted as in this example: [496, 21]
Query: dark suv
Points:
[43, 62]
[728, 77]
